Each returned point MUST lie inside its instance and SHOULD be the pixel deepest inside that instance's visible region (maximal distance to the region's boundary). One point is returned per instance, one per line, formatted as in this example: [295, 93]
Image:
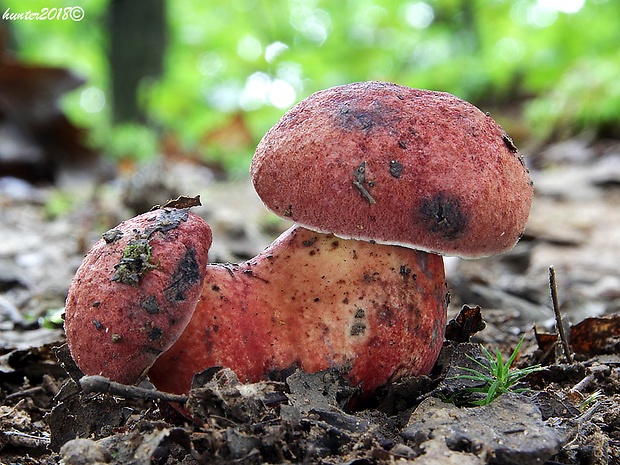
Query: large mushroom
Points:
[380, 180]
[358, 166]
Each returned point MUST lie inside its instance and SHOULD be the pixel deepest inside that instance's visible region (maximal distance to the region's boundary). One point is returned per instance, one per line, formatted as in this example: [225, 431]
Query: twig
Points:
[100, 384]
[25, 440]
[553, 286]
[571, 434]
[359, 178]
[25, 393]
[582, 385]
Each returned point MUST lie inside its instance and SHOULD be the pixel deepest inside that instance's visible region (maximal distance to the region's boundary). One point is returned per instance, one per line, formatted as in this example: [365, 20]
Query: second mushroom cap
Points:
[381, 162]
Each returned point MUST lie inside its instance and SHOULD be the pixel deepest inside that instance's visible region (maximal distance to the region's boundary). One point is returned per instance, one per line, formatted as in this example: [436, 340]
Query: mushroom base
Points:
[315, 301]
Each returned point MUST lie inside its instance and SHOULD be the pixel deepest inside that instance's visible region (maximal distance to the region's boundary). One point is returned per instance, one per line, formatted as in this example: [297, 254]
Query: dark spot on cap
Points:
[309, 242]
[185, 276]
[386, 316]
[357, 119]
[442, 215]
[98, 325]
[150, 305]
[155, 333]
[396, 168]
[367, 118]
[358, 329]
[360, 313]
[405, 270]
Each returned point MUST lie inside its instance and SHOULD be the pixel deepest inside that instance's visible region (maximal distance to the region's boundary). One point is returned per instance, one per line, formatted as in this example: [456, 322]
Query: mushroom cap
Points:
[380, 162]
[135, 292]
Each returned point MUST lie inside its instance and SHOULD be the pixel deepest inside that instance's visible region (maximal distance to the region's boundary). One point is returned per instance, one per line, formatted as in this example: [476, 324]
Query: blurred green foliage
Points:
[555, 61]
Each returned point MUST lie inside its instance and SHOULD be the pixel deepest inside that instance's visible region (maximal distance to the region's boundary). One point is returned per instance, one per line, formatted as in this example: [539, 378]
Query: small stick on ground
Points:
[100, 384]
[582, 385]
[553, 286]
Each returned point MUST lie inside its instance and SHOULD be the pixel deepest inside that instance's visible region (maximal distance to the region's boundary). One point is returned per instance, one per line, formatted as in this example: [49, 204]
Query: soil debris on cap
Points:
[181, 202]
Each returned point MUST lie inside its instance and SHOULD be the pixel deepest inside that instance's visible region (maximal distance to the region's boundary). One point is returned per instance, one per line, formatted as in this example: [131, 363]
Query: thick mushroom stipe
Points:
[135, 292]
[404, 166]
[315, 301]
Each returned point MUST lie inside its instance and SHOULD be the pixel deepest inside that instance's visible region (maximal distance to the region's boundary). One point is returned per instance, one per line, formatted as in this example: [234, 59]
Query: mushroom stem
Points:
[315, 301]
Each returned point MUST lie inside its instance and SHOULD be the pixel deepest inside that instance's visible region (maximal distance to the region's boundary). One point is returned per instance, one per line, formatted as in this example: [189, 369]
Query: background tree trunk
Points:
[137, 46]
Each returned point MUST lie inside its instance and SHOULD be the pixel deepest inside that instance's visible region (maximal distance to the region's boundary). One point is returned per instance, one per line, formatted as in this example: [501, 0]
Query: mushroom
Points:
[381, 180]
[135, 292]
[357, 166]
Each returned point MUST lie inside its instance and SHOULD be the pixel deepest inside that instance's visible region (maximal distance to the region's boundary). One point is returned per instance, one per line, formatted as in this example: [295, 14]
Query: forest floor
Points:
[569, 415]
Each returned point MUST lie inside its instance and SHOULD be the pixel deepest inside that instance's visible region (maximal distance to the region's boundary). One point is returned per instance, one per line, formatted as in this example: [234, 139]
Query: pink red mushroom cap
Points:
[135, 292]
[381, 162]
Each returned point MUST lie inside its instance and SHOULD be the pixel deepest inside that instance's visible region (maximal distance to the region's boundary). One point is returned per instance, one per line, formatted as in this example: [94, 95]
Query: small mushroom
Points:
[380, 179]
[135, 292]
